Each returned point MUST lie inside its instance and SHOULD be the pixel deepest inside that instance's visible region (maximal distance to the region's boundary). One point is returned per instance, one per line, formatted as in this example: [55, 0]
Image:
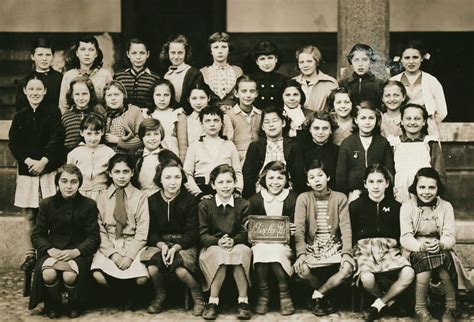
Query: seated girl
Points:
[123, 223]
[223, 238]
[173, 236]
[375, 221]
[323, 238]
[274, 199]
[66, 236]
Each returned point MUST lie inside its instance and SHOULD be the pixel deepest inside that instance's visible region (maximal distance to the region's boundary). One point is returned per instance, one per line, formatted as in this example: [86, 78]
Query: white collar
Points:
[219, 202]
[267, 197]
[236, 109]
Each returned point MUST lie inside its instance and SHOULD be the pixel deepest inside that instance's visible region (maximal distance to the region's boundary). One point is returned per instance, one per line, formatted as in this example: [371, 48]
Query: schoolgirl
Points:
[269, 82]
[422, 88]
[66, 236]
[221, 76]
[414, 142]
[362, 84]
[42, 55]
[316, 85]
[82, 98]
[138, 78]
[340, 106]
[364, 147]
[316, 143]
[173, 236]
[151, 133]
[323, 238]
[36, 142]
[274, 199]
[375, 222]
[224, 238]
[123, 119]
[293, 99]
[394, 96]
[210, 151]
[123, 222]
[86, 60]
[427, 232]
[273, 145]
[176, 54]
[171, 118]
[92, 156]
[244, 117]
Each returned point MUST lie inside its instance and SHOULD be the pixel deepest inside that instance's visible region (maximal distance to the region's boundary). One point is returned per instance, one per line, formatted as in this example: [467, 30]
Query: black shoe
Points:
[29, 263]
[372, 314]
[319, 307]
[449, 315]
[52, 313]
[330, 309]
[75, 312]
[210, 312]
[243, 311]
[156, 306]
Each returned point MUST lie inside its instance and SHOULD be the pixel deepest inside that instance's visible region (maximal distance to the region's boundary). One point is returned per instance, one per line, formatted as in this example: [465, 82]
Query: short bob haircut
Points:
[117, 158]
[170, 163]
[121, 88]
[213, 109]
[332, 98]
[181, 39]
[361, 47]
[314, 51]
[98, 62]
[427, 172]
[220, 37]
[42, 43]
[424, 113]
[90, 86]
[378, 168]
[151, 106]
[220, 169]
[265, 48]
[93, 121]
[323, 116]
[316, 164]
[367, 105]
[150, 124]
[71, 169]
[294, 83]
[274, 166]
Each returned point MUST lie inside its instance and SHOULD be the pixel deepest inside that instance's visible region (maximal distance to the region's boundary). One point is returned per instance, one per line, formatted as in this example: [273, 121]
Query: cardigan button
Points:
[263, 85]
[272, 85]
[271, 98]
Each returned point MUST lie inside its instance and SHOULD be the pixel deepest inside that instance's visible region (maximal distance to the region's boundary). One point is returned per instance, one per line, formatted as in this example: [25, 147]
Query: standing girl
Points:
[82, 98]
[293, 101]
[364, 147]
[223, 238]
[275, 199]
[172, 119]
[316, 143]
[36, 142]
[66, 236]
[221, 76]
[323, 238]
[315, 84]
[340, 106]
[375, 221]
[92, 156]
[173, 236]
[210, 151]
[414, 142]
[422, 88]
[394, 96]
[123, 119]
[137, 79]
[427, 232]
[86, 60]
[123, 222]
[273, 145]
[176, 53]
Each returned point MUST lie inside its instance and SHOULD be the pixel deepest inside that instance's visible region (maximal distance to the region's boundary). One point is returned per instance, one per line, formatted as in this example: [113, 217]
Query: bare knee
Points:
[141, 280]
[367, 279]
[153, 270]
[181, 272]
[407, 275]
[50, 276]
[69, 278]
[305, 273]
[100, 278]
[345, 272]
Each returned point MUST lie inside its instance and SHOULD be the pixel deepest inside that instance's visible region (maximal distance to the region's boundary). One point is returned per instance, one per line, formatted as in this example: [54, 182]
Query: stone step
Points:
[13, 242]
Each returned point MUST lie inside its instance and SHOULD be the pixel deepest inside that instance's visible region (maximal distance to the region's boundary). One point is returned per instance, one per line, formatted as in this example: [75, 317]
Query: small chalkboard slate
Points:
[269, 229]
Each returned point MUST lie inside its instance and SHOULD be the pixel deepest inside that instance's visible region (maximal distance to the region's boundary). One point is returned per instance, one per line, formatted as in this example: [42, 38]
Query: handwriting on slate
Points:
[272, 229]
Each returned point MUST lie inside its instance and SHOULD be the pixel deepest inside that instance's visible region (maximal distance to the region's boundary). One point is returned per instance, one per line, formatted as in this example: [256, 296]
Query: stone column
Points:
[367, 22]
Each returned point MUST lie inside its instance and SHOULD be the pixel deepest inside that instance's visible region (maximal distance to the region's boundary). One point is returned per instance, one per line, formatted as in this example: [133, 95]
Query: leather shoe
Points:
[243, 311]
[29, 263]
[210, 312]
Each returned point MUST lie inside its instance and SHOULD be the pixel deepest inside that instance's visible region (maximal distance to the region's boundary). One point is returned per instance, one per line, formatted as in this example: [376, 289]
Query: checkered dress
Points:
[116, 127]
[424, 261]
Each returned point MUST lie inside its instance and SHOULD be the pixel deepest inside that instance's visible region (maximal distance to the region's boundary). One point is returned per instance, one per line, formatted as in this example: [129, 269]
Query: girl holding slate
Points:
[274, 199]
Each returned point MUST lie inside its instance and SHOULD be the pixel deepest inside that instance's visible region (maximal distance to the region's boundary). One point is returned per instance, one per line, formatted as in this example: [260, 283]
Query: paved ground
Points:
[13, 307]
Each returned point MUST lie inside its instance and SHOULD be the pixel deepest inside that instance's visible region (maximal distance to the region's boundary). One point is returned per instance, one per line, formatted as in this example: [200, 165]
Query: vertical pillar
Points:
[363, 21]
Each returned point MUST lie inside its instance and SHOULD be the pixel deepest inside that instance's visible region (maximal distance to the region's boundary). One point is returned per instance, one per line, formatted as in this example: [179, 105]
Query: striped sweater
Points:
[138, 85]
